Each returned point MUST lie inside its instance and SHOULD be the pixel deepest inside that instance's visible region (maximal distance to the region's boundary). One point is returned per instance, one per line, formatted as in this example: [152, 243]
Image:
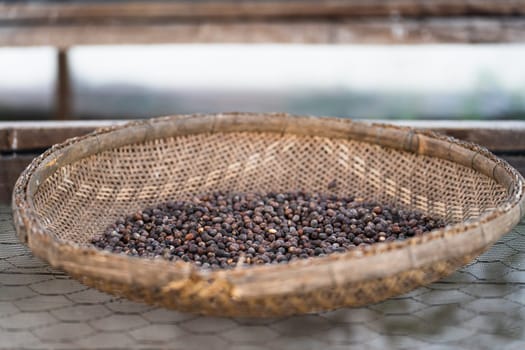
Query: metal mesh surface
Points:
[481, 306]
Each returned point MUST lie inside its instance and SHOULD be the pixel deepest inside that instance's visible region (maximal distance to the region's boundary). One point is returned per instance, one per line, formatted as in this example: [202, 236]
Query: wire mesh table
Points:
[481, 306]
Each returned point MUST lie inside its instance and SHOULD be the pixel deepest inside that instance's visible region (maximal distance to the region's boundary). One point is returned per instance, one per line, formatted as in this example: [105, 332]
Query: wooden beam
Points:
[413, 31]
[498, 136]
[27, 136]
[54, 12]
[517, 162]
[10, 169]
[63, 96]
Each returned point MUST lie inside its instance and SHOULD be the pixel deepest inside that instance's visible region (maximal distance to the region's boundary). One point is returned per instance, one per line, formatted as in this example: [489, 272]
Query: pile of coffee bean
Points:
[221, 230]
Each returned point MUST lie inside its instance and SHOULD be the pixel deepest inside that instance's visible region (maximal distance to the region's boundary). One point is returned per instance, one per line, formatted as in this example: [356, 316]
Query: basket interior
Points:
[80, 199]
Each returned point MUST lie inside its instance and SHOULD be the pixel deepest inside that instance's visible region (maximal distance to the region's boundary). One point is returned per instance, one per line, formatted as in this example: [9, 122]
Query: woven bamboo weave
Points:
[75, 190]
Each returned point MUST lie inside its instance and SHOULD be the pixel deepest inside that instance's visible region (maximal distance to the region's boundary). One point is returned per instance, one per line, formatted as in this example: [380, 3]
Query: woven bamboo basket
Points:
[76, 189]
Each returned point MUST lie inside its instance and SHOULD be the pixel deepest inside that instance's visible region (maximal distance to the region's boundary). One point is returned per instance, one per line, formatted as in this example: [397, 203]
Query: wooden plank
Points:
[55, 12]
[500, 136]
[29, 139]
[496, 140]
[10, 169]
[40, 135]
[356, 31]
[5, 142]
[517, 162]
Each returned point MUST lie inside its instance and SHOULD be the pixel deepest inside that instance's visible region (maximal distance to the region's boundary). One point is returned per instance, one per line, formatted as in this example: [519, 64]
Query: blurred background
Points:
[457, 81]
[391, 59]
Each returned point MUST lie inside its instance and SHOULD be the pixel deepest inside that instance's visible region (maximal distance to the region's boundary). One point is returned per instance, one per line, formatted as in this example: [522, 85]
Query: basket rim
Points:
[31, 230]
